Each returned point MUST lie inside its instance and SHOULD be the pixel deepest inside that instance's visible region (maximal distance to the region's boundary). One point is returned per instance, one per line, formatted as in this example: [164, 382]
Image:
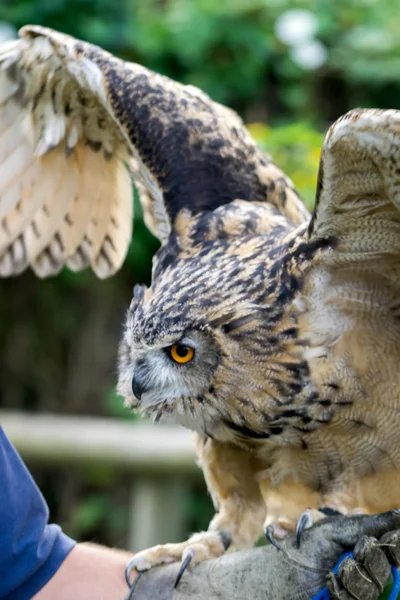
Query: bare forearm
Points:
[89, 572]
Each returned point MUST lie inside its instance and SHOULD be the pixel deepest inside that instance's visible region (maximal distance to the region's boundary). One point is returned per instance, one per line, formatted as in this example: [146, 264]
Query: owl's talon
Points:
[128, 571]
[268, 532]
[132, 586]
[304, 522]
[186, 560]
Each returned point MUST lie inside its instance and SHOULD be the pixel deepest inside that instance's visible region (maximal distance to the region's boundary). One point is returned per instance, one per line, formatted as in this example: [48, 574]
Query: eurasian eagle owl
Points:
[274, 336]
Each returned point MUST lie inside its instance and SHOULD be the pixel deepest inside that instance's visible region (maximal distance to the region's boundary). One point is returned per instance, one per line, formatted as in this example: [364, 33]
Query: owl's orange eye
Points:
[181, 353]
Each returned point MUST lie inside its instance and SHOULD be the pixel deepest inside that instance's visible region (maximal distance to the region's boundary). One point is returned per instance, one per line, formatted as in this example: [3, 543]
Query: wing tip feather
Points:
[361, 124]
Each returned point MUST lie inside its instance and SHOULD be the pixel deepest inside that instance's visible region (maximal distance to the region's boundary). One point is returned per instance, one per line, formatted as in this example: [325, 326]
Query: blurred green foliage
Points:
[59, 337]
[230, 48]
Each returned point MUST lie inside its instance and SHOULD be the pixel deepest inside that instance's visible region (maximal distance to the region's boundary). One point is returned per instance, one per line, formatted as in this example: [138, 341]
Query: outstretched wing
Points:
[73, 117]
[358, 195]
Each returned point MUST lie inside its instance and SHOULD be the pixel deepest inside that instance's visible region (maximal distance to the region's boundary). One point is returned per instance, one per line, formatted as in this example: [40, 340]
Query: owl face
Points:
[170, 379]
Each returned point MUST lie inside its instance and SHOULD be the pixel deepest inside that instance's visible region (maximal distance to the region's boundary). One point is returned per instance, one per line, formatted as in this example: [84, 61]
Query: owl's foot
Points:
[201, 546]
[310, 516]
[282, 527]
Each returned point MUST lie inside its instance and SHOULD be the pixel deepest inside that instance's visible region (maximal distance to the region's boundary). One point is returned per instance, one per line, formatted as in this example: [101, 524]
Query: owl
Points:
[272, 334]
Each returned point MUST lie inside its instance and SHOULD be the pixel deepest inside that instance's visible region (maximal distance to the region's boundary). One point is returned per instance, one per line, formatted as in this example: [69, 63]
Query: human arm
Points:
[38, 560]
[31, 549]
[89, 572]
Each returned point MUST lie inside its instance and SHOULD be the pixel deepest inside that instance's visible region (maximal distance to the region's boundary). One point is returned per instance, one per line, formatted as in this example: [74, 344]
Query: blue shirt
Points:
[31, 551]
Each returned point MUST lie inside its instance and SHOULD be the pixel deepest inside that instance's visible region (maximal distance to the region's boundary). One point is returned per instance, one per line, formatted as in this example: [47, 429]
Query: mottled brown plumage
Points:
[293, 323]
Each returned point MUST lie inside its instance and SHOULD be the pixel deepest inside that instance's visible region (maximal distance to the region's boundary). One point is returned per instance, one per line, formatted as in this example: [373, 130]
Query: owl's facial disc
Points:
[170, 375]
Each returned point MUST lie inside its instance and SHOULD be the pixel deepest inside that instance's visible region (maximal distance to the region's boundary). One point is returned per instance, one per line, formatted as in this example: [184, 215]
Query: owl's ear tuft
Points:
[138, 295]
[138, 292]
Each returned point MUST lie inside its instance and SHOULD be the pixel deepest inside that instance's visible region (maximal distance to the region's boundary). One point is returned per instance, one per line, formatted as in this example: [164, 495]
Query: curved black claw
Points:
[128, 571]
[304, 522]
[268, 532]
[187, 558]
[132, 586]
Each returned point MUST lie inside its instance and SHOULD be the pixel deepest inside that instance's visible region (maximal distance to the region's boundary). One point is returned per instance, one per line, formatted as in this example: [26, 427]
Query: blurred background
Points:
[289, 68]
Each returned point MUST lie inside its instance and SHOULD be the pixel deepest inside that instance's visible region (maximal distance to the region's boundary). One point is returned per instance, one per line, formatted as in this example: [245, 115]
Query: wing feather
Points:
[359, 182]
[47, 220]
[118, 233]
[357, 208]
[61, 169]
[72, 117]
[25, 225]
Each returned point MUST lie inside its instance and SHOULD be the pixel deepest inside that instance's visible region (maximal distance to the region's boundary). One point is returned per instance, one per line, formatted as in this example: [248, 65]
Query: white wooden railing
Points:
[159, 460]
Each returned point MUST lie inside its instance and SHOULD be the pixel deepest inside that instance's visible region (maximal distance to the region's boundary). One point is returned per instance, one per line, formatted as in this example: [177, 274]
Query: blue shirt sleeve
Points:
[31, 551]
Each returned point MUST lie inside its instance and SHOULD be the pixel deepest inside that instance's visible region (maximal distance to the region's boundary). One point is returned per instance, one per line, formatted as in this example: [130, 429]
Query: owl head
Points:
[198, 346]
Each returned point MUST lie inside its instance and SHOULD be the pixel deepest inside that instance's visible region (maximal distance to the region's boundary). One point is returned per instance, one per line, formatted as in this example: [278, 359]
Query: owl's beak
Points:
[138, 387]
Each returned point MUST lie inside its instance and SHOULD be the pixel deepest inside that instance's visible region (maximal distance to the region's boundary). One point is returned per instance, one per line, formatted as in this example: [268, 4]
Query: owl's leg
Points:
[230, 476]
